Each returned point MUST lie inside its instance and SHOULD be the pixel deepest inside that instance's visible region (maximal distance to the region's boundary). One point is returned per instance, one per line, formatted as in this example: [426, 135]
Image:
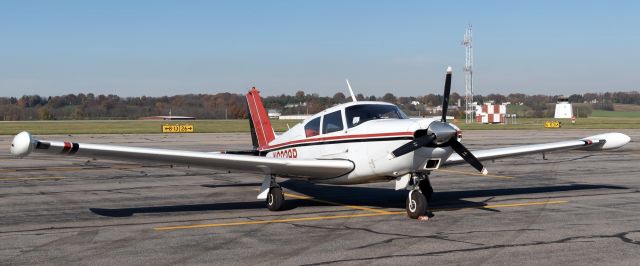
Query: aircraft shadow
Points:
[232, 185]
[351, 195]
[390, 198]
[126, 212]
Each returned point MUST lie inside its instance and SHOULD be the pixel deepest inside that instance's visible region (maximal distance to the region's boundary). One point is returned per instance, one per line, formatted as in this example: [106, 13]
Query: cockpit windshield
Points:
[358, 114]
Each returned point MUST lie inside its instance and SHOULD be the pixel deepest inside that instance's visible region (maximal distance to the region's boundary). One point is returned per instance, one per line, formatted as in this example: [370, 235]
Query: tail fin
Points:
[261, 130]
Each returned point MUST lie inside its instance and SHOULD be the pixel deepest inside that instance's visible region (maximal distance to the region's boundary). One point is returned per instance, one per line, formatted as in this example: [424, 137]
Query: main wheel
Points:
[416, 204]
[426, 189]
[275, 198]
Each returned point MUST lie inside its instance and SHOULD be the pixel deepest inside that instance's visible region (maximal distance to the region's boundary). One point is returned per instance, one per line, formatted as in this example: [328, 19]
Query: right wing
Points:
[23, 144]
[597, 142]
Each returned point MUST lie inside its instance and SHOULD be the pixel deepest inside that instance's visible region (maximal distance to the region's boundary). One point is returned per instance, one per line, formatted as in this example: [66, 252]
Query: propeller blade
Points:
[411, 146]
[447, 91]
[468, 156]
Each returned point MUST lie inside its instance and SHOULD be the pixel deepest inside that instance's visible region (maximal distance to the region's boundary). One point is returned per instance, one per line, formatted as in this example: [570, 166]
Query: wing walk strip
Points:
[372, 212]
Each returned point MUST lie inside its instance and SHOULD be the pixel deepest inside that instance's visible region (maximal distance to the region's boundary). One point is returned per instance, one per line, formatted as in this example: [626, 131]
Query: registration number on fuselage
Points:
[287, 153]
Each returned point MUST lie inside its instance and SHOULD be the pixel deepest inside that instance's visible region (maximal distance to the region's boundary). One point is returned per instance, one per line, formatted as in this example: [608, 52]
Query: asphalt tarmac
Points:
[574, 208]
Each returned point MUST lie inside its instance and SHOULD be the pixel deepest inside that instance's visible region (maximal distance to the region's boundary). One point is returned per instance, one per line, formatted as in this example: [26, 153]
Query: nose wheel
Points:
[419, 196]
[416, 204]
[275, 198]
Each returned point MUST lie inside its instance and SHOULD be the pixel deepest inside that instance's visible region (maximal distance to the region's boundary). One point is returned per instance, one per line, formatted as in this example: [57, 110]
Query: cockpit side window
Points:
[332, 122]
[312, 128]
[358, 114]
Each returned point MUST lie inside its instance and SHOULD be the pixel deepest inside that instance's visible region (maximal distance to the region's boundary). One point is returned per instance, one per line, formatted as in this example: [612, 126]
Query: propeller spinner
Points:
[442, 134]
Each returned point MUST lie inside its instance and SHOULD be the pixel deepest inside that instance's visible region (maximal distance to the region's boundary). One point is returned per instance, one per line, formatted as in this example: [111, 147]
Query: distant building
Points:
[438, 109]
[294, 105]
[273, 113]
[293, 117]
[563, 108]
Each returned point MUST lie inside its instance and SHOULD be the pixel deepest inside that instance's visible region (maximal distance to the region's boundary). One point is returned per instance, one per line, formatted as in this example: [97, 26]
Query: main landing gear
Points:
[419, 196]
[274, 196]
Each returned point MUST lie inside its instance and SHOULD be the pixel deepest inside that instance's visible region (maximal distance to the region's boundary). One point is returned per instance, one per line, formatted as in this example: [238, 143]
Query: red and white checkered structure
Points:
[490, 113]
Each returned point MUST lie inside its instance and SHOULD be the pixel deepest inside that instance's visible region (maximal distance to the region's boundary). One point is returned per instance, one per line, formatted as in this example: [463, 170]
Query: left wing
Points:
[23, 144]
[597, 142]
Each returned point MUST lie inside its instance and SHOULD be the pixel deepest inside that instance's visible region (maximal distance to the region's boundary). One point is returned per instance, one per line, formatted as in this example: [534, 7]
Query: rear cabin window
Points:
[312, 128]
[332, 122]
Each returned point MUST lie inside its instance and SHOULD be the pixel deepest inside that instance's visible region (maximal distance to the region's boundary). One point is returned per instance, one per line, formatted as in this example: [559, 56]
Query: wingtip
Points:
[484, 171]
[449, 70]
[390, 156]
[22, 144]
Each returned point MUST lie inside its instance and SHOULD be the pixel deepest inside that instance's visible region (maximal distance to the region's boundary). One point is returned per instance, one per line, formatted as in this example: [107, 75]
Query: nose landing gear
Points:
[416, 204]
[419, 196]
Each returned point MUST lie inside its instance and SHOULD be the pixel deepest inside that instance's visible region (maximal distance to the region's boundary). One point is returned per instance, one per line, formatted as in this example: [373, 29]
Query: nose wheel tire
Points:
[416, 204]
[275, 198]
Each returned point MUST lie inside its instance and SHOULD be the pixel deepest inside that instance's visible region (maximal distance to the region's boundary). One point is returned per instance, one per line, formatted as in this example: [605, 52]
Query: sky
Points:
[154, 48]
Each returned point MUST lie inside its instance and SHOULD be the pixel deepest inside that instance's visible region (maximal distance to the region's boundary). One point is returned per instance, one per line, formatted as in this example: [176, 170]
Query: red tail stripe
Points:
[260, 119]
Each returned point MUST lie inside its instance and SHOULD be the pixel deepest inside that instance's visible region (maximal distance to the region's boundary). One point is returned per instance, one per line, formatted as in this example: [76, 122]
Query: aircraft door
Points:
[335, 146]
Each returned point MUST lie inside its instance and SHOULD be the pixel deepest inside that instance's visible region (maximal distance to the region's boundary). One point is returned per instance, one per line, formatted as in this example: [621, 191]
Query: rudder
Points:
[261, 130]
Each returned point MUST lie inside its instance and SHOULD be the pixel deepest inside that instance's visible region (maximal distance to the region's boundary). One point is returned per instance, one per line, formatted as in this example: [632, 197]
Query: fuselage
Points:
[364, 133]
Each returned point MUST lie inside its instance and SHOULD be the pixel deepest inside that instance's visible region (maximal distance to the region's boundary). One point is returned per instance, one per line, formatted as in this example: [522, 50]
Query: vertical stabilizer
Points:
[261, 129]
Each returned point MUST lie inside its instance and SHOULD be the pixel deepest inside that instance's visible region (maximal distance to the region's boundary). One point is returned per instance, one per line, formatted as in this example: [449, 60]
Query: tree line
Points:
[234, 106]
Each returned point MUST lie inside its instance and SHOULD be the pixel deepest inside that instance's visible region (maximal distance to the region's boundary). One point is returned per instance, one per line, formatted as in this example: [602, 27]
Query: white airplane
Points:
[352, 143]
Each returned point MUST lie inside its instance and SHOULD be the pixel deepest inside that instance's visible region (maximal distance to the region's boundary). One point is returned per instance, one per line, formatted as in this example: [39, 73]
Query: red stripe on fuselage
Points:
[344, 137]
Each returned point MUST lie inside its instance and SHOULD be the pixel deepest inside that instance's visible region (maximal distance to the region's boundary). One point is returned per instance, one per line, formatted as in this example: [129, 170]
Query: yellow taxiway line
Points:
[315, 218]
[332, 217]
[336, 204]
[472, 173]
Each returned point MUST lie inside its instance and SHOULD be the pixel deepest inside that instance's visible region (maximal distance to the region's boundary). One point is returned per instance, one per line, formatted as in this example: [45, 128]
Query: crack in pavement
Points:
[438, 236]
[621, 236]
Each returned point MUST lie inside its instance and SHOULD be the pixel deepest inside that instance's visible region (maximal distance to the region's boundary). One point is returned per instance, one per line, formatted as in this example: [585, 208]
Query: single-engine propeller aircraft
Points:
[351, 143]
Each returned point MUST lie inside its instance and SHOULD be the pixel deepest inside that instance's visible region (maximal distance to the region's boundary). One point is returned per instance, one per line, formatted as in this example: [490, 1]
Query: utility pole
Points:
[468, 76]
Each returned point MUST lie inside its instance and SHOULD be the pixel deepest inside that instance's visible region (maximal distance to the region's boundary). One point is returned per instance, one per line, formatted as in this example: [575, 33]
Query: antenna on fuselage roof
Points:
[353, 96]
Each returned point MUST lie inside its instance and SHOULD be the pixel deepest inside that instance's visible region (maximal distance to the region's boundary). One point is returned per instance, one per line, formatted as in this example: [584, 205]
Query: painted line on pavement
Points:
[473, 173]
[333, 217]
[335, 203]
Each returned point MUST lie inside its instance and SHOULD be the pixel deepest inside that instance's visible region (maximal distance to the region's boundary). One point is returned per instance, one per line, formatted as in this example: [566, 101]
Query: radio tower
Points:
[468, 76]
